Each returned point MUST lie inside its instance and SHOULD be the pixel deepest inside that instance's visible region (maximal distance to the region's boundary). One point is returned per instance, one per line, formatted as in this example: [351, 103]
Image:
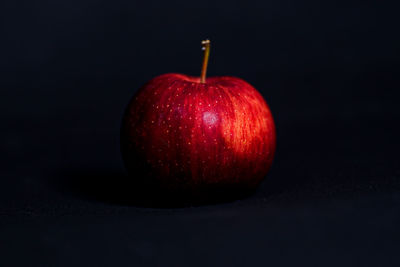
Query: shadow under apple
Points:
[117, 188]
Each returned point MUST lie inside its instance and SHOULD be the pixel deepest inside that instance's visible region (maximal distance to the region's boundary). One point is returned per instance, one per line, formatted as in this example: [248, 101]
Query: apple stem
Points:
[206, 47]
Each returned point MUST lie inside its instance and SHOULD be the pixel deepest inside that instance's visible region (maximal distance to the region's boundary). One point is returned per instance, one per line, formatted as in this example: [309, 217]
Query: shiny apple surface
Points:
[181, 135]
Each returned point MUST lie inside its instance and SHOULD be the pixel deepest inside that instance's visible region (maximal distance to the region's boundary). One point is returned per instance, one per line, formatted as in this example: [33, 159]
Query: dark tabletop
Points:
[329, 71]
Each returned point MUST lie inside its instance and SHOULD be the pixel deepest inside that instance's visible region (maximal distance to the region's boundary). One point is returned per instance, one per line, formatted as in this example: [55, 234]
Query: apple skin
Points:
[197, 139]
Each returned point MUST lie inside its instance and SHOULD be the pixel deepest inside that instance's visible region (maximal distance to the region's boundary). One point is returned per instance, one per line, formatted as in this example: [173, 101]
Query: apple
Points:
[198, 137]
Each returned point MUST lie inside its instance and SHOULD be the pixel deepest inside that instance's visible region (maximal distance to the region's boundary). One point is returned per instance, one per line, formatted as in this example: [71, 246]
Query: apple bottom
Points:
[155, 189]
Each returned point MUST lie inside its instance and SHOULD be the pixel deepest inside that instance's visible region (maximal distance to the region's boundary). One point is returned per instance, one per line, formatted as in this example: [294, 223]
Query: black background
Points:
[328, 69]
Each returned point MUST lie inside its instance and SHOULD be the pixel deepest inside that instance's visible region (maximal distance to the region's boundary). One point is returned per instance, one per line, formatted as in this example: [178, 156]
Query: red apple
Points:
[195, 136]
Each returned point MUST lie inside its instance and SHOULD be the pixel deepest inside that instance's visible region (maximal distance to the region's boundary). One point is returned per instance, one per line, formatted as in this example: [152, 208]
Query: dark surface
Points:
[329, 71]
